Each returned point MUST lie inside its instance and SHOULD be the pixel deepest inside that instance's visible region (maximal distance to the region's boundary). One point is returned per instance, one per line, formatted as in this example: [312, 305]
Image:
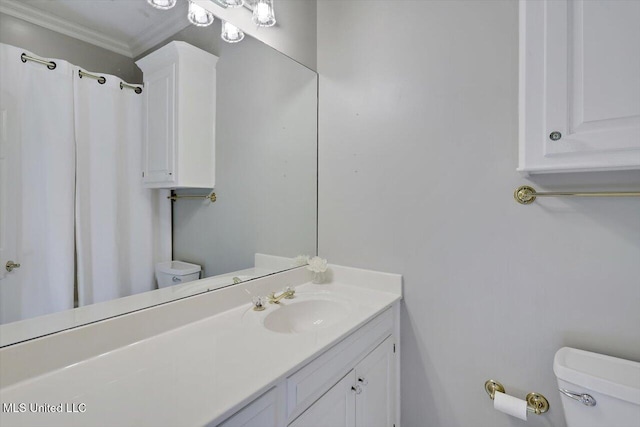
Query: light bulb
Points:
[231, 33]
[234, 3]
[199, 16]
[263, 15]
[162, 4]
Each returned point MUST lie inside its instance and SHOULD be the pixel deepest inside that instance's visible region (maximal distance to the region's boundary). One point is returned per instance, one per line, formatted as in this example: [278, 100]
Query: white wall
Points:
[418, 151]
[294, 33]
[266, 163]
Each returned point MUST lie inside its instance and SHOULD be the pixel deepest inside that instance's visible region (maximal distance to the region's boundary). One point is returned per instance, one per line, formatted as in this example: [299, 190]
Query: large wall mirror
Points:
[81, 237]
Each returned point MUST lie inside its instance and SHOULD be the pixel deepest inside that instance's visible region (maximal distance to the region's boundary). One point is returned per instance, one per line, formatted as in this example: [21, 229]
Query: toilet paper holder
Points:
[536, 403]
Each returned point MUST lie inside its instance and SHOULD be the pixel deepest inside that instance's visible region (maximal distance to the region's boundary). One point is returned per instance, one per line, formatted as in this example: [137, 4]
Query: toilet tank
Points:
[171, 273]
[613, 383]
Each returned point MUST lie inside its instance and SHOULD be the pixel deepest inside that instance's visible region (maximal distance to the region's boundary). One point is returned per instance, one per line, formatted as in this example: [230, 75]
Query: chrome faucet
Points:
[287, 293]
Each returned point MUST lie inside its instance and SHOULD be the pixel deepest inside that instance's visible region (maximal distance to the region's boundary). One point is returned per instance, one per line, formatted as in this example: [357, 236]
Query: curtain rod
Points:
[101, 79]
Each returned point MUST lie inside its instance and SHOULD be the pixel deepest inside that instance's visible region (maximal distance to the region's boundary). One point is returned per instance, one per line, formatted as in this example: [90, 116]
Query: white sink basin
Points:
[305, 315]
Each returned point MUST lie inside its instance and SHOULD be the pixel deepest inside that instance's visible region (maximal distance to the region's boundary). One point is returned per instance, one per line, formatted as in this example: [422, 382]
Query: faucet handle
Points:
[259, 303]
[290, 292]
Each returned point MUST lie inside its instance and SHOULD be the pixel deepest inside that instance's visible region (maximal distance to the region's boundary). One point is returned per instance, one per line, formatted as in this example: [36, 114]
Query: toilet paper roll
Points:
[510, 405]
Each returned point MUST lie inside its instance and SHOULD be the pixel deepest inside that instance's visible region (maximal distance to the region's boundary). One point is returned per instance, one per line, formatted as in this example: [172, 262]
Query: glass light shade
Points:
[234, 3]
[231, 33]
[199, 16]
[162, 4]
[263, 14]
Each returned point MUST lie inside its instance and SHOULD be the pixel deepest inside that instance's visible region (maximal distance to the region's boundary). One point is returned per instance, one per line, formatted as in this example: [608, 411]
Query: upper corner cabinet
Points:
[179, 117]
[579, 85]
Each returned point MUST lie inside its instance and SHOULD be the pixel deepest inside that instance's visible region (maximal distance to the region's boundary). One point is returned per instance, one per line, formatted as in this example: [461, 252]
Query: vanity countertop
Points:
[196, 374]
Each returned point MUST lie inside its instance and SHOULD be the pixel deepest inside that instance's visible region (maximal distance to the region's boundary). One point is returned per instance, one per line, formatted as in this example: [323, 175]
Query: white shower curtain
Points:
[37, 174]
[122, 229]
[70, 165]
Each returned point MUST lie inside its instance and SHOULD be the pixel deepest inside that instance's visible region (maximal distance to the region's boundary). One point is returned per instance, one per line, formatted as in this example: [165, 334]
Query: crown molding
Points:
[35, 16]
[150, 38]
[132, 48]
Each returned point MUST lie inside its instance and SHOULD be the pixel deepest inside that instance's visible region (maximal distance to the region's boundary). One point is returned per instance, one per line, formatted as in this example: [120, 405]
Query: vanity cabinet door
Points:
[579, 85]
[336, 408]
[376, 377]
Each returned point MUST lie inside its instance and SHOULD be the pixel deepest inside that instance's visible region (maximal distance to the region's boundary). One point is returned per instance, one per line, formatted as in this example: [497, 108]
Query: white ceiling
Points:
[128, 27]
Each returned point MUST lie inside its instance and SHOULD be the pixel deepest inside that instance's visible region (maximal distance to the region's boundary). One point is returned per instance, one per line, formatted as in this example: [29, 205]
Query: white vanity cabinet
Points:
[579, 85]
[265, 411]
[363, 398]
[376, 379]
[179, 115]
[336, 408]
[353, 384]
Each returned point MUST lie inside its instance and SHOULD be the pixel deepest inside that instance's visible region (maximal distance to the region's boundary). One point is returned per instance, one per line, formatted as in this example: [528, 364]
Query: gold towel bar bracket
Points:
[526, 195]
[536, 403]
[212, 197]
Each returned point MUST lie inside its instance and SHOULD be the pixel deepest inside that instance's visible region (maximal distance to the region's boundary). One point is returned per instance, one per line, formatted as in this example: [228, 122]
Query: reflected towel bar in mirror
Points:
[212, 197]
[526, 195]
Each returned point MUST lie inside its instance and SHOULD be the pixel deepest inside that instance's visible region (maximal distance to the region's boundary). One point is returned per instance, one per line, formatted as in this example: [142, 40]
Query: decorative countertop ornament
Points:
[318, 266]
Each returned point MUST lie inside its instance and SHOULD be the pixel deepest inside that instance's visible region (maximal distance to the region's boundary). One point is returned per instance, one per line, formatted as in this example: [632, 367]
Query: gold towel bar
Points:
[212, 197]
[526, 195]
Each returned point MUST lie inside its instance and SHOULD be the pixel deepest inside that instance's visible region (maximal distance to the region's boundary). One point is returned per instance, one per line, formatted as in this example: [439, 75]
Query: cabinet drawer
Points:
[306, 385]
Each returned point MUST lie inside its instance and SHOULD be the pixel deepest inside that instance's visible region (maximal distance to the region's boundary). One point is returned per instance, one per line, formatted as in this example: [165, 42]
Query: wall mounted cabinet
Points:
[579, 85]
[179, 111]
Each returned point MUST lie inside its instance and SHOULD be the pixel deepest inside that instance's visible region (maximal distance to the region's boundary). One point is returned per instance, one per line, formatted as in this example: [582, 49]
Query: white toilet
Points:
[597, 390]
[171, 273]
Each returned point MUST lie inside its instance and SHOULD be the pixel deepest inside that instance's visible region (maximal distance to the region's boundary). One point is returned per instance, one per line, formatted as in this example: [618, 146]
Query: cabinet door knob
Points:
[363, 381]
[11, 265]
[356, 389]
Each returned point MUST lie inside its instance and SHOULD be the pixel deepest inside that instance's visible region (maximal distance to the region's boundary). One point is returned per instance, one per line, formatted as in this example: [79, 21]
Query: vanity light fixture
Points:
[233, 3]
[263, 14]
[231, 33]
[199, 16]
[162, 4]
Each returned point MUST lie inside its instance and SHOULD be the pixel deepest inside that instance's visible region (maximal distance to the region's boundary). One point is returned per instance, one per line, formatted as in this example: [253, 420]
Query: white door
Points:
[8, 208]
[580, 85]
[336, 408]
[37, 179]
[375, 405]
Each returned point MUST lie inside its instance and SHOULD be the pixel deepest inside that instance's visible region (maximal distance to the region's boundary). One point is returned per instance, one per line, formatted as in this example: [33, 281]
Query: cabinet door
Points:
[159, 136]
[336, 408]
[580, 85]
[375, 374]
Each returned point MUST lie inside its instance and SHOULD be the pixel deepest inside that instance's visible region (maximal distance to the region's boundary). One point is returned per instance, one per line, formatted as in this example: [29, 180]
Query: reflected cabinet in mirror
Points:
[143, 161]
